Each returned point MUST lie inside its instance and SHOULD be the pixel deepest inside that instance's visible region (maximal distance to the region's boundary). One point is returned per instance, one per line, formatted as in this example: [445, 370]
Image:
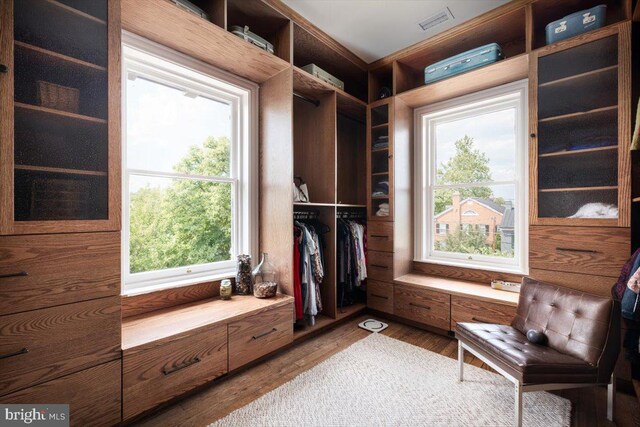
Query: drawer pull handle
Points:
[4, 69]
[18, 274]
[379, 266]
[24, 350]
[587, 251]
[426, 307]
[380, 236]
[477, 319]
[181, 366]
[255, 337]
[379, 296]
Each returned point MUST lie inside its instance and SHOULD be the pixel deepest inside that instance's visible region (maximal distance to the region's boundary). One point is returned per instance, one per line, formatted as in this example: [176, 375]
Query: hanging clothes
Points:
[631, 341]
[352, 261]
[310, 272]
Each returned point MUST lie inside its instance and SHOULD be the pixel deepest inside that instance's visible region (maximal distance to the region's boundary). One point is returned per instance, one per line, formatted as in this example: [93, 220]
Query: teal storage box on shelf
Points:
[463, 62]
[576, 23]
[318, 72]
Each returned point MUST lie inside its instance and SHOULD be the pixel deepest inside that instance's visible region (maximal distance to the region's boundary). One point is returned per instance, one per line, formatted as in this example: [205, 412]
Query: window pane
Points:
[178, 222]
[475, 220]
[169, 130]
[480, 148]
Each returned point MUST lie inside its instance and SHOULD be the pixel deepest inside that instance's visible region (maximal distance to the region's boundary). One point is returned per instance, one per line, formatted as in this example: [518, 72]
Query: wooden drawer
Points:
[465, 309]
[422, 305]
[380, 266]
[584, 250]
[380, 296]
[171, 367]
[41, 345]
[93, 395]
[597, 285]
[380, 236]
[46, 270]
[260, 334]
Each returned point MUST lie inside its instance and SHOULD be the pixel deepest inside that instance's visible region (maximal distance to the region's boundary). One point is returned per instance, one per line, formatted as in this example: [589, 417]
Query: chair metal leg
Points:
[611, 397]
[518, 405]
[460, 361]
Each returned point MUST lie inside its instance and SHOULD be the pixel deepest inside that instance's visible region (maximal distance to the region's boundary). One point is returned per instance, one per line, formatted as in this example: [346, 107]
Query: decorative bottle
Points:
[265, 278]
[243, 275]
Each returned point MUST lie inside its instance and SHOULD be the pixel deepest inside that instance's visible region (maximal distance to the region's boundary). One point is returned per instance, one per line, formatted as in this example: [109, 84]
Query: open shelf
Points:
[264, 21]
[312, 87]
[546, 11]
[496, 74]
[379, 78]
[558, 190]
[307, 49]
[32, 168]
[351, 166]
[508, 30]
[165, 23]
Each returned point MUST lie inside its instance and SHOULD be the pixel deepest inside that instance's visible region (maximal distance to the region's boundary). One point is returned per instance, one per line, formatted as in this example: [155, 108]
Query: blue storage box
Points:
[463, 62]
[576, 23]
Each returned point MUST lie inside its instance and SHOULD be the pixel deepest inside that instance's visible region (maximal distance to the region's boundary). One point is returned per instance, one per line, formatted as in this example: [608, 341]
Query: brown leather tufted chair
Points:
[583, 332]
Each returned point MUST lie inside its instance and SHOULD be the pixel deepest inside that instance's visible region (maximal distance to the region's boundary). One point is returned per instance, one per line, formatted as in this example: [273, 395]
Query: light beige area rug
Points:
[380, 381]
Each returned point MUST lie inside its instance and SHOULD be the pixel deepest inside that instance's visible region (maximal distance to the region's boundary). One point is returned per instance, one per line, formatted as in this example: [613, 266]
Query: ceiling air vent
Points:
[437, 19]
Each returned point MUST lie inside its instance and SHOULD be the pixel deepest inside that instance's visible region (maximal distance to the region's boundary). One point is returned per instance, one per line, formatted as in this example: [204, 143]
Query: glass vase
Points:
[243, 275]
[265, 278]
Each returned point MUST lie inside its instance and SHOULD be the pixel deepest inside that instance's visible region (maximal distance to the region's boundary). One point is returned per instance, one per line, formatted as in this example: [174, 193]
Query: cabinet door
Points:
[60, 152]
[380, 160]
[580, 112]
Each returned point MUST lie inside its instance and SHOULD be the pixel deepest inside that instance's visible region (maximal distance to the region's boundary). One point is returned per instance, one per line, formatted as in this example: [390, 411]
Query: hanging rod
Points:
[306, 98]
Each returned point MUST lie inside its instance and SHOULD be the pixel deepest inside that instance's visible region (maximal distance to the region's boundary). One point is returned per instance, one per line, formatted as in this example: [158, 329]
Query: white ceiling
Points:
[373, 29]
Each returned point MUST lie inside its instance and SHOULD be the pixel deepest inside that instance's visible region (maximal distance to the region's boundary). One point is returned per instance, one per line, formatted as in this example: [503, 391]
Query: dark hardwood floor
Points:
[223, 397]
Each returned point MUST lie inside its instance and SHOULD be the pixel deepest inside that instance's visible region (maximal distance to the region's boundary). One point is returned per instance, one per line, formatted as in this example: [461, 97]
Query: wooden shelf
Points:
[312, 87]
[578, 152]
[347, 205]
[380, 126]
[380, 150]
[567, 189]
[379, 173]
[379, 197]
[149, 328]
[178, 29]
[499, 73]
[30, 168]
[314, 204]
[324, 322]
[57, 59]
[350, 310]
[599, 73]
[578, 114]
[73, 11]
[635, 199]
[65, 114]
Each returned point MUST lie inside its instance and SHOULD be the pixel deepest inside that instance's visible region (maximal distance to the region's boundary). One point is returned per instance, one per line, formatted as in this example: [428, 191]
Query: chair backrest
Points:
[581, 325]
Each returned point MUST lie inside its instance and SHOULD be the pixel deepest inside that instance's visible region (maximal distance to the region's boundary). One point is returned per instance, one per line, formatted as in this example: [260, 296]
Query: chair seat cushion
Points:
[530, 363]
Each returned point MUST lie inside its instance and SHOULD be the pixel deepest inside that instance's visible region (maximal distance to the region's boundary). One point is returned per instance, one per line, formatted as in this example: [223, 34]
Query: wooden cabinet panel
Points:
[599, 251]
[472, 310]
[93, 395]
[422, 305]
[380, 266]
[173, 367]
[45, 270]
[380, 236]
[41, 345]
[255, 336]
[380, 296]
[597, 285]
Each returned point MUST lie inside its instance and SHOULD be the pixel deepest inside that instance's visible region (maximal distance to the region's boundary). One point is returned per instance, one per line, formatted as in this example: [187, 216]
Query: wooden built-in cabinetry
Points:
[60, 206]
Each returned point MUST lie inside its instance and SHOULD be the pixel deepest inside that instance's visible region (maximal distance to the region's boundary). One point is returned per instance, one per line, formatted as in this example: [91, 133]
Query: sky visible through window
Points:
[162, 123]
[493, 134]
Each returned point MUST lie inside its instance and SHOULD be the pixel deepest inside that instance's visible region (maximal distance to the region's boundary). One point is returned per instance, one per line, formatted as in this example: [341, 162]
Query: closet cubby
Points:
[314, 146]
[547, 11]
[508, 30]
[215, 10]
[351, 161]
[264, 21]
[308, 49]
[379, 78]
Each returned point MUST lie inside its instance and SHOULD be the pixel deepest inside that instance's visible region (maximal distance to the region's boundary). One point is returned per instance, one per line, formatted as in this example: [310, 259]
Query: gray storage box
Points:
[253, 38]
[318, 72]
[190, 7]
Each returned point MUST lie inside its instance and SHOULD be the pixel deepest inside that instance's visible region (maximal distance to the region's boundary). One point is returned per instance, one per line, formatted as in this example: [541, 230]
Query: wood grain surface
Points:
[422, 305]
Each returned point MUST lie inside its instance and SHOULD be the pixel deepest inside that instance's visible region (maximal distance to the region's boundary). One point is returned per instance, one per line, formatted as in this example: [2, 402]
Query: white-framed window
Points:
[442, 228]
[473, 147]
[189, 157]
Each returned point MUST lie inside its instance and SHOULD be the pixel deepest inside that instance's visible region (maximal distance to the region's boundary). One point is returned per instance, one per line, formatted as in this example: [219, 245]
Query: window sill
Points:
[474, 266]
[135, 291]
[461, 288]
